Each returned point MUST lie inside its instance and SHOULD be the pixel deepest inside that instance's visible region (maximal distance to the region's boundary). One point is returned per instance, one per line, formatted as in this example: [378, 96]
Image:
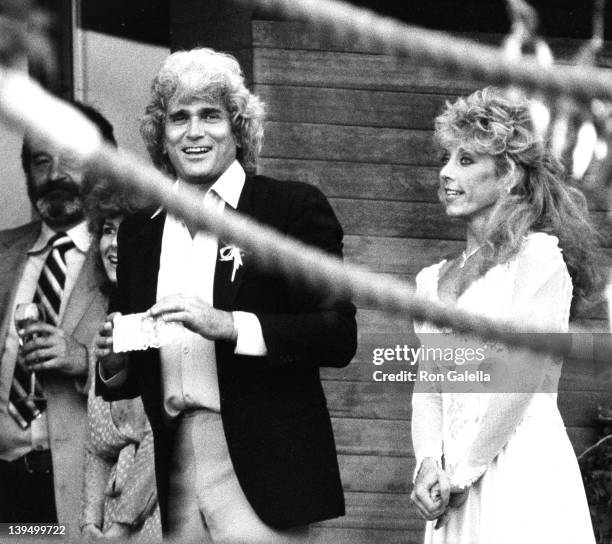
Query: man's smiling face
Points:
[199, 140]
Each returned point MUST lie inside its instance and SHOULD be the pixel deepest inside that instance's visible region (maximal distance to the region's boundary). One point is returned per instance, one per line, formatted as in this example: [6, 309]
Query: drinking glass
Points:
[27, 314]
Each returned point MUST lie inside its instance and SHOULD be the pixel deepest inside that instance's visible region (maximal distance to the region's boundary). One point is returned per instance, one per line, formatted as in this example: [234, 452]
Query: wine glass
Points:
[27, 314]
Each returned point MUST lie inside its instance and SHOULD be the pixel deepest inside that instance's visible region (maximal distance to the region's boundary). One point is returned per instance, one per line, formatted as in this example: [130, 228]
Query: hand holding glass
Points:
[27, 314]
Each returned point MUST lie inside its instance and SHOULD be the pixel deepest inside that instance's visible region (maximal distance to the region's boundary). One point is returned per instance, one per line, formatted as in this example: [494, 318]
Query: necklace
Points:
[465, 256]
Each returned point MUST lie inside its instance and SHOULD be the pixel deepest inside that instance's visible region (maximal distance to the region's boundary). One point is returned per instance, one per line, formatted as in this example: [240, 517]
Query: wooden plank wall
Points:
[358, 125]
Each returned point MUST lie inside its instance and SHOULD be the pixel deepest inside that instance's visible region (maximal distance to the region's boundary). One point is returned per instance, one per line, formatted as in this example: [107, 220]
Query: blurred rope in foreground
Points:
[26, 106]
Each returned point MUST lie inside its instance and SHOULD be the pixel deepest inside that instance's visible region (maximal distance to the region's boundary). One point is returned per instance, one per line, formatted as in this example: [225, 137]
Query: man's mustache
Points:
[64, 185]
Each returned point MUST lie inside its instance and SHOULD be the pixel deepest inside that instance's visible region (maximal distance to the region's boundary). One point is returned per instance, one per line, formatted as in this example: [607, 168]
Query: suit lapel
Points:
[14, 255]
[225, 289]
[144, 253]
[85, 290]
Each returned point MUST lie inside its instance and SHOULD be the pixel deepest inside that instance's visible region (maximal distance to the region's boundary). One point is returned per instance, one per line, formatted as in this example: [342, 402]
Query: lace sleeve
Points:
[541, 297]
[542, 292]
[426, 423]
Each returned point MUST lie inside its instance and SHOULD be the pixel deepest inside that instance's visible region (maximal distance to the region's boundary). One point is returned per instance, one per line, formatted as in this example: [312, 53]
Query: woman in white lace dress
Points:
[498, 468]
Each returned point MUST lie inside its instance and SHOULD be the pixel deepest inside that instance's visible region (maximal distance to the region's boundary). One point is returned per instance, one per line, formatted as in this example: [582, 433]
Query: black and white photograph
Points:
[306, 271]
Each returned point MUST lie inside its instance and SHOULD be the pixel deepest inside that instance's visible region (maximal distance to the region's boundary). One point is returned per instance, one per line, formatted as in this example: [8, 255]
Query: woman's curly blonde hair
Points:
[492, 122]
[204, 73]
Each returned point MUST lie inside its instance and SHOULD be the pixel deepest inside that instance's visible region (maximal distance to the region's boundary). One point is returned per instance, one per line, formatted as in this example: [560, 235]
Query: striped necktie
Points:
[53, 277]
[49, 293]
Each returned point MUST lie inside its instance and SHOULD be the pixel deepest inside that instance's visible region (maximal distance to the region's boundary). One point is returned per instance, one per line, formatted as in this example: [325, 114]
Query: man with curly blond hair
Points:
[244, 447]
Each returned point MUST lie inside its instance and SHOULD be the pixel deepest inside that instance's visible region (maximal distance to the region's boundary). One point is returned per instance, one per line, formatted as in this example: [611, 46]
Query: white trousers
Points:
[206, 503]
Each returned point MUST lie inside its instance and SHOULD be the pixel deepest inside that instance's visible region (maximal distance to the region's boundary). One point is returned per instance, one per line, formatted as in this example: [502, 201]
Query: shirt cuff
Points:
[115, 380]
[464, 476]
[250, 340]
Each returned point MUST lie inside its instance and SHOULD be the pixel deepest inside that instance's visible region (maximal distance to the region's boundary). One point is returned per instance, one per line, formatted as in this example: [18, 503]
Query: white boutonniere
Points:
[232, 253]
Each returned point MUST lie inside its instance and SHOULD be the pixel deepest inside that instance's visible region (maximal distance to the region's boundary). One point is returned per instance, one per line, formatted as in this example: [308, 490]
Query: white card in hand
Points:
[137, 332]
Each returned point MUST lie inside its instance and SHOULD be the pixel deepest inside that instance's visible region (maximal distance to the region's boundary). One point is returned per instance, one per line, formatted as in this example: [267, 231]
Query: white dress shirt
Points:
[187, 266]
[75, 257]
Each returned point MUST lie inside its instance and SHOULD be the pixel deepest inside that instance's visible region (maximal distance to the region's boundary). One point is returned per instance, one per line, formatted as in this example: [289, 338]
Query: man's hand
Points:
[196, 315]
[431, 490]
[111, 362]
[47, 347]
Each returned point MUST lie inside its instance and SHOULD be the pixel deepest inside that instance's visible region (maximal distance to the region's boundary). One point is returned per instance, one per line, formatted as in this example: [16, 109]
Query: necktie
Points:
[49, 292]
[53, 277]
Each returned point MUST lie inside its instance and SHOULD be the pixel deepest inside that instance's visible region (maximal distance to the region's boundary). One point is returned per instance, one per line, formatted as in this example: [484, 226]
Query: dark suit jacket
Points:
[273, 408]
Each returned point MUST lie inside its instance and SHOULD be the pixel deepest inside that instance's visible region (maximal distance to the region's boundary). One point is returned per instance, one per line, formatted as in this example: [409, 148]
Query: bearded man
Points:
[47, 262]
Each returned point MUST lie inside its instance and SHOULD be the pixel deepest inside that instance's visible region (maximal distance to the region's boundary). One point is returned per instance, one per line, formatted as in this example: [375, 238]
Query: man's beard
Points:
[58, 202]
